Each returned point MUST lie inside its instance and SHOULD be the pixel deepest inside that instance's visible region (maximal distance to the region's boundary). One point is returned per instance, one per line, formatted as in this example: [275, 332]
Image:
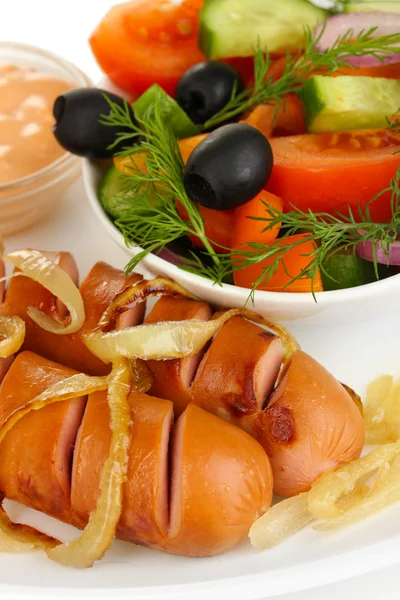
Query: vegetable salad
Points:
[261, 147]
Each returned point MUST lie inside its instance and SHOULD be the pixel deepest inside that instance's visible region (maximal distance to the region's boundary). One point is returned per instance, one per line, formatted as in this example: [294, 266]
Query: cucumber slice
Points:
[345, 270]
[110, 189]
[347, 103]
[181, 124]
[235, 27]
[391, 6]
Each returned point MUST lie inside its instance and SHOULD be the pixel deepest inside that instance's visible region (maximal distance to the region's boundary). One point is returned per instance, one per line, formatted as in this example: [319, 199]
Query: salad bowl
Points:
[321, 323]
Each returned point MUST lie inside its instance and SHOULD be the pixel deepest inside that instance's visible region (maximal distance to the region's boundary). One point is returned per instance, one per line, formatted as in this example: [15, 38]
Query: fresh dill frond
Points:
[121, 116]
[304, 64]
[151, 219]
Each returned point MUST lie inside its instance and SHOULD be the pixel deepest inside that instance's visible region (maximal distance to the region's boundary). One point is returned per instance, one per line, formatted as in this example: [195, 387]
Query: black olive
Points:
[206, 88]
[78, 128]
[229, 167]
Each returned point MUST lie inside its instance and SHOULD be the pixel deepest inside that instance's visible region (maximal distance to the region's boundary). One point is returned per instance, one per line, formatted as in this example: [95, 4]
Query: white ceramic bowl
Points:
[361, 323]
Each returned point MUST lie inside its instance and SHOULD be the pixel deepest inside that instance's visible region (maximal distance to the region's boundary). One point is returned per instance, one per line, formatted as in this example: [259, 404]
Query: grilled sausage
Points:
[99, 288]
[35, 457]
[193, 488]
[173, 378]
[307, 426]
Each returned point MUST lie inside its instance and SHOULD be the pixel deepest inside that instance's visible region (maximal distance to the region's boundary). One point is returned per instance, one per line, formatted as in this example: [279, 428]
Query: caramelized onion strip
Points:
[99, 533]
[41, 269]
[280, 522]
[12, 335]
[157, 341]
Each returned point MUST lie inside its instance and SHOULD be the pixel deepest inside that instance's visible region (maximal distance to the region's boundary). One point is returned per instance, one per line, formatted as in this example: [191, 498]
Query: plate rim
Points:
[258, 586]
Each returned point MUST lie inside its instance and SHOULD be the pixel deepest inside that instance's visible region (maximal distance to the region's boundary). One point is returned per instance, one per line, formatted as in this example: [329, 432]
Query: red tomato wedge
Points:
[289, 267]
[250, 230]
[332, 172]
[245, 66]
[148, 41]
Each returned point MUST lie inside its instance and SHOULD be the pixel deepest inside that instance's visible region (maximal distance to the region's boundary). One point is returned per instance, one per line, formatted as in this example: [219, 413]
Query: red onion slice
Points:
[385, 23]
[384, 256]
[171, 257]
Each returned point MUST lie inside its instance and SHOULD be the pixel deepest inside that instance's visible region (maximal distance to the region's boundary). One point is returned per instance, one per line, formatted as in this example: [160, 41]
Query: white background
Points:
[63, 27]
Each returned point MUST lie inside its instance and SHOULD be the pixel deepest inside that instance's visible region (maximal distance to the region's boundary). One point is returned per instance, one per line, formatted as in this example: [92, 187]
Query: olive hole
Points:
[58, 108]
[199, 190]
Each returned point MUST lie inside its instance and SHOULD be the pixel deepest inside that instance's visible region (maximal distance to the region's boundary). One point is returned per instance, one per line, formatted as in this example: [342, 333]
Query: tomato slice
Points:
[294, 261]
[249, 230]
[332, 172]
[148, 41]
[245, 66]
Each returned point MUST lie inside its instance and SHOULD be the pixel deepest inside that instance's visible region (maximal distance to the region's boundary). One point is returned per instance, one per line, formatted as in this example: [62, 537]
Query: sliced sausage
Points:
[5, 364]
[98, 290]
[310, 426]
[173, 378]
[145, 518]
[221, 477]
[36, 455]
[102, 284]
[239, 370]
[220, 473]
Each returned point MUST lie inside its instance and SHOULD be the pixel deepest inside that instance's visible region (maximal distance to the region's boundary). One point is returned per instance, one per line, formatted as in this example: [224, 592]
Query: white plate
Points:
[308, 559]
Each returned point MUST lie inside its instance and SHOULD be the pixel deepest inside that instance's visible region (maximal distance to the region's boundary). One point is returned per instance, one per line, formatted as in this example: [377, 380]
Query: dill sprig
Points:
[149, 218]
[394, 123]
[330, 234]
[304, 64]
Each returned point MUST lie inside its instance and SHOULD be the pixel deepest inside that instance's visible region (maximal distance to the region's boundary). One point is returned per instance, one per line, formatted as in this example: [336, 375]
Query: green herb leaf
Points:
[303, 65]
[150, 219]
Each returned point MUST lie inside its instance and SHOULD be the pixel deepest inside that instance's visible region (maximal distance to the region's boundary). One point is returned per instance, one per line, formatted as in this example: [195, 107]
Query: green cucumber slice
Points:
[181, 124]
[347, 103]
[110, 191]
[235, 27]
[344, 269]
[391, 6]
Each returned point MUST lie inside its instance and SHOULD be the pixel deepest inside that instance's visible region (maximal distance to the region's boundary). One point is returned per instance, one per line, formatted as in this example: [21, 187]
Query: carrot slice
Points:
[289, 267]
[248, 230]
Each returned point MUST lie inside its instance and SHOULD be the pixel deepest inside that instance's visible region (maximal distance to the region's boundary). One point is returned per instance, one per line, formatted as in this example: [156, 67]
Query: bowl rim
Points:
[66, 159]
[286, 299]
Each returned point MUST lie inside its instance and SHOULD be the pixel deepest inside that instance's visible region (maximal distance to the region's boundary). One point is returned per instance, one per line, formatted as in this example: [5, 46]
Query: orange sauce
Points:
[27, 143]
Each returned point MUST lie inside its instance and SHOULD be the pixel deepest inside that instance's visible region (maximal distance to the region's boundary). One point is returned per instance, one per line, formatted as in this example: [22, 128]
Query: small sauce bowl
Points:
[25, 201]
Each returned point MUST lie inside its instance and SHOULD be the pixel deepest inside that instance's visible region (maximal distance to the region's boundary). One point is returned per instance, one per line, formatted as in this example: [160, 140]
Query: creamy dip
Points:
[27, 143]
